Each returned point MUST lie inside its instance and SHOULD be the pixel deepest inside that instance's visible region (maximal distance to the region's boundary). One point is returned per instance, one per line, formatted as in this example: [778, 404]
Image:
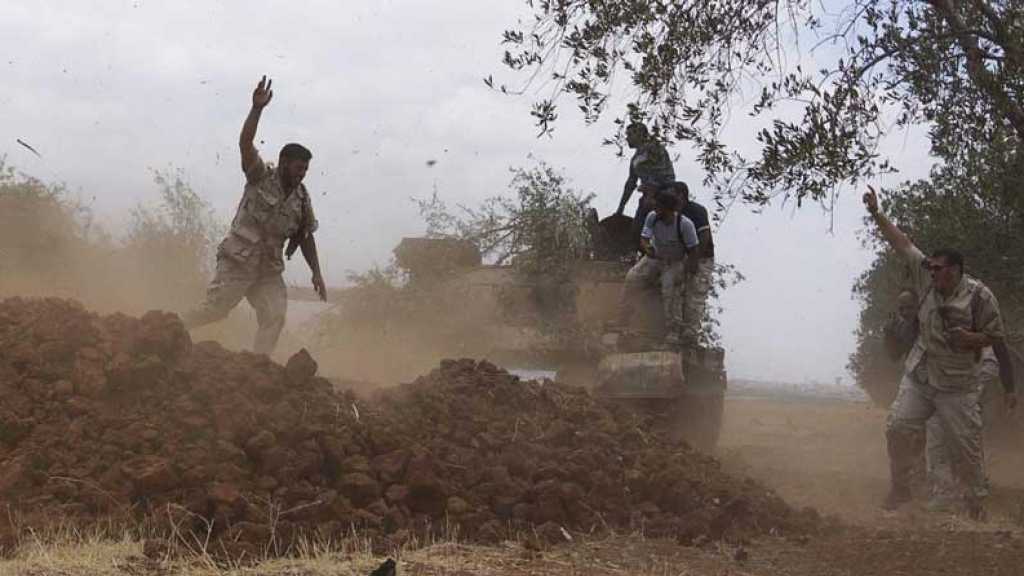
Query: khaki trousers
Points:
[957, 413]
[232, 281]
[695, 299]
[941, 464]
[668, 274]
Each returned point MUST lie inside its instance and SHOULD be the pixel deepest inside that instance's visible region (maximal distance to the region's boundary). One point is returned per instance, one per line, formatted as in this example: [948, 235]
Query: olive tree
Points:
[845, 72]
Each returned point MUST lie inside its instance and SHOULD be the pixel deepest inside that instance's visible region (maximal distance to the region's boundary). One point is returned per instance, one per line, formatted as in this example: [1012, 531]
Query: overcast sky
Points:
[107, 91]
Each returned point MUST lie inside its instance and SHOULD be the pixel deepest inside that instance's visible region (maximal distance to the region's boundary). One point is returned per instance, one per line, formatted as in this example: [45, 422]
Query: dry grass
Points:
[67, 551]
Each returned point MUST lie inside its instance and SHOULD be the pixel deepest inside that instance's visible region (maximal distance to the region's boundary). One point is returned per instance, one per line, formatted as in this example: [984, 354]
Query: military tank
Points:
[561, 325]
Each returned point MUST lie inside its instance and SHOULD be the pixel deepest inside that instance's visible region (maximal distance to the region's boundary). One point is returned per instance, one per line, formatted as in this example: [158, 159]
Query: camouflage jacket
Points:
[266, 217]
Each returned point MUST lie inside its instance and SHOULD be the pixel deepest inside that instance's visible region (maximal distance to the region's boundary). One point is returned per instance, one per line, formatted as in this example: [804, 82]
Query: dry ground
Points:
[826, 454]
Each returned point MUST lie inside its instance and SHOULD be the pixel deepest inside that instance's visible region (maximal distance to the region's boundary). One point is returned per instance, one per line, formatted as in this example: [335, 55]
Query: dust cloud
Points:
[158, 258]
[161, 256]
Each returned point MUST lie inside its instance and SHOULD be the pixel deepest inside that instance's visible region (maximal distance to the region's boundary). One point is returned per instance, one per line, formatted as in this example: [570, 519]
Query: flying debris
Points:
[30, 148]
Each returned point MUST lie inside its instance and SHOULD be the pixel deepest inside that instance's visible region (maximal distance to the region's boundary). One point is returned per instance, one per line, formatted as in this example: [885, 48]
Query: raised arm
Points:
[892, 234]
[260, 98]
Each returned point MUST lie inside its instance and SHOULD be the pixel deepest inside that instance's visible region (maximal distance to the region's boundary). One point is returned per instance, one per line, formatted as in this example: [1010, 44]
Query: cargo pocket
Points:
[236, 248]
[960, 373]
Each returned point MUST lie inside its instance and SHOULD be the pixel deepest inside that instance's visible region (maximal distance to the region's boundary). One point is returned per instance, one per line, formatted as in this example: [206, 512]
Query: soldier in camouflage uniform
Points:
[275, 207]
[651, 167]
[958, 317]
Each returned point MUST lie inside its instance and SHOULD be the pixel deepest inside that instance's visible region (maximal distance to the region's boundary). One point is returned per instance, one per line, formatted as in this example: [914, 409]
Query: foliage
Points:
[540, 228]
[182, 215]
[723, 276]
[975, 209]
[50, 245]
[877, 289]
[956, 65]
[39, 226]
[171, 244]
[47, 237]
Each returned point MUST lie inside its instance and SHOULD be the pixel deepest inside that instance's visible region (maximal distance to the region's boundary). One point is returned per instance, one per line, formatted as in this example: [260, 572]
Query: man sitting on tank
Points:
[665, 240]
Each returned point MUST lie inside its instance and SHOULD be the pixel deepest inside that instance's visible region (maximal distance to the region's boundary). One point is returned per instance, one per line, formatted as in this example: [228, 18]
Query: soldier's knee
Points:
[271, 318]
[899, 429]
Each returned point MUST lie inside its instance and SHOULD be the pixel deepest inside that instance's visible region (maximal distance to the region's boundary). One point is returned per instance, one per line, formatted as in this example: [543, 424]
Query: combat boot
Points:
[975, 508]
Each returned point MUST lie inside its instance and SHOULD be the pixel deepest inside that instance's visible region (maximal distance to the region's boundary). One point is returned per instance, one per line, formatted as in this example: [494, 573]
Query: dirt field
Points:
[831, 455]
[826, 454]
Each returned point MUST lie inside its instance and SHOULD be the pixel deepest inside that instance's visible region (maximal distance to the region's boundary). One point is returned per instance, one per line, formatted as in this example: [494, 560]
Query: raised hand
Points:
[262, 94]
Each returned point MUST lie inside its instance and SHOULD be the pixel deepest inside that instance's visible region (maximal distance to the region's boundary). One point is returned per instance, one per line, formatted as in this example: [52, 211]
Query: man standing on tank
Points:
[651, 167]
[275, 208]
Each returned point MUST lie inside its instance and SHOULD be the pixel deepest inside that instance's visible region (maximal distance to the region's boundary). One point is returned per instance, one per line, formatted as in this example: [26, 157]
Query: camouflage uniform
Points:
[941, 381]
[669, 275]
[698, 281]
[250, 260]
[940, 464]
[695, 299]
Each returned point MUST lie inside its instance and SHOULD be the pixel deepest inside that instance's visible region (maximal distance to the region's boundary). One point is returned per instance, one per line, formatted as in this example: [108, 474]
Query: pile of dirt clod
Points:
[116, 416]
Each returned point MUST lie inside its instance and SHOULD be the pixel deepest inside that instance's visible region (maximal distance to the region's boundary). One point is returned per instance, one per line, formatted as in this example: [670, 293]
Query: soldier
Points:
[666, 238]
[275, 207]
[651, 167]
[900, 334]
[901, 329]
[958, 317]
[700, 266]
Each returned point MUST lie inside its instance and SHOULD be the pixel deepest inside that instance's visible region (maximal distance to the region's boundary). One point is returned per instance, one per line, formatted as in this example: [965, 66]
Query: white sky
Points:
[106, 91]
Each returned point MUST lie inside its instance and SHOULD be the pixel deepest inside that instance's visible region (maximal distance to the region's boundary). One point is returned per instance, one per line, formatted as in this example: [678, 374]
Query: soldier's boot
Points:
[898, 496]
[904, 445]
[975, 509]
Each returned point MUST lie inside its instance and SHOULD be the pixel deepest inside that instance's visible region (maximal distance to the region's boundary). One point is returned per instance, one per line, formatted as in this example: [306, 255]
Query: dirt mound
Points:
[113, 415]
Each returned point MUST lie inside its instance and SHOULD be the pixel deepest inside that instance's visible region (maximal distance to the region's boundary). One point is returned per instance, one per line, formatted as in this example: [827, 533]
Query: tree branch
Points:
[985, 80]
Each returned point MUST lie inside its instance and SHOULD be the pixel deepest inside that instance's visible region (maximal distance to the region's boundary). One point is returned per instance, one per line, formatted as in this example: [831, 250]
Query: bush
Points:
[50, 245]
